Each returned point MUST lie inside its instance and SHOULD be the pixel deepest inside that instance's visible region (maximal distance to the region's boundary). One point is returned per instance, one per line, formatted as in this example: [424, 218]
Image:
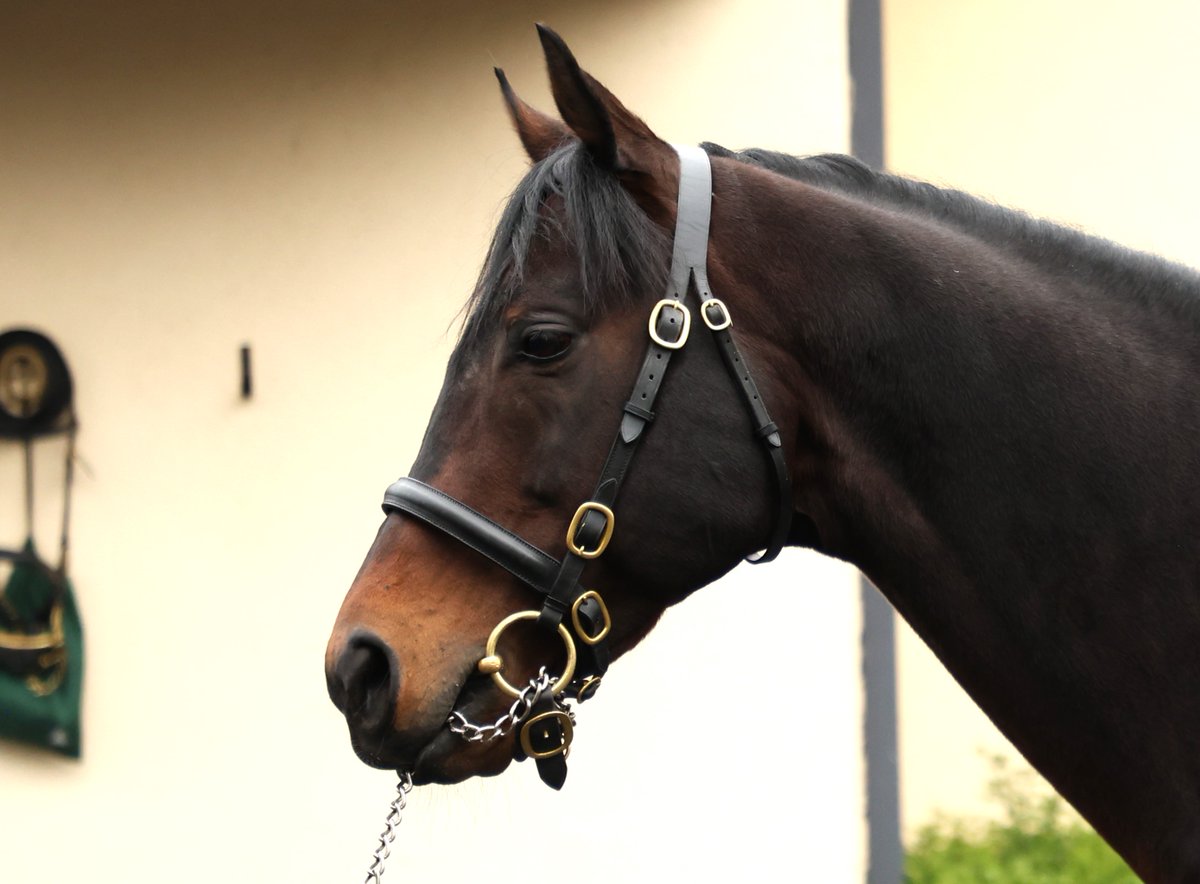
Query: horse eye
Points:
[544, 344]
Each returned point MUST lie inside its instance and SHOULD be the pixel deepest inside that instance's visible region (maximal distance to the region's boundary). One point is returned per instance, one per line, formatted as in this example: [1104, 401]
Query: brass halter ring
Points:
[493, 665]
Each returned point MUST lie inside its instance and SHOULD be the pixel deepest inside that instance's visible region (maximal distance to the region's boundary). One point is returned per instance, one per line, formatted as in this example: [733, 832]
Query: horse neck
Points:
[1011, 462]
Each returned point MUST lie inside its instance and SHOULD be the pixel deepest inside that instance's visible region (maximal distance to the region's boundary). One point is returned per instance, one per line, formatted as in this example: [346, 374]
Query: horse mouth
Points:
[449, 756]
[446, 757]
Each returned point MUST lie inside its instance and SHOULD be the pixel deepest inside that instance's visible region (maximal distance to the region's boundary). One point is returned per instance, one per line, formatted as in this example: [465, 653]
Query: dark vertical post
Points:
[247, 377]
[866, 79]
[885, 855]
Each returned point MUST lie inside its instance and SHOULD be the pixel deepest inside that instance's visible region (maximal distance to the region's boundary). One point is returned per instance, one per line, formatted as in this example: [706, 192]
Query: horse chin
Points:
[449, 759]
[446, 758]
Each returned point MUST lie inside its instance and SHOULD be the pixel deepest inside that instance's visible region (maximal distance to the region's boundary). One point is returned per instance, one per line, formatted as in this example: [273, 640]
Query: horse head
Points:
[539, 384]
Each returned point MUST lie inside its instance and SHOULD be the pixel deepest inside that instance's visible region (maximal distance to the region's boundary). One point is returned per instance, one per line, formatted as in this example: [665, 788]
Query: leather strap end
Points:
[631, 427]
[553, 771]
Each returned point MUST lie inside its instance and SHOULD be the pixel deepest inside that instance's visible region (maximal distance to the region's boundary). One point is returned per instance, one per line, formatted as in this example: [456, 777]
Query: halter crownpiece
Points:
[578, 615]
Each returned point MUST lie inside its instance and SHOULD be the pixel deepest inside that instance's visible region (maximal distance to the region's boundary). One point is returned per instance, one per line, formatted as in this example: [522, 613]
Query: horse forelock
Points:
[622, 255]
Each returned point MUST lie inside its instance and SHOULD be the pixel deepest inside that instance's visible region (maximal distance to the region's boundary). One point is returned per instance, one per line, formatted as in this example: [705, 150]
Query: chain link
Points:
[518, 712]
[472, 733]
[395, 813]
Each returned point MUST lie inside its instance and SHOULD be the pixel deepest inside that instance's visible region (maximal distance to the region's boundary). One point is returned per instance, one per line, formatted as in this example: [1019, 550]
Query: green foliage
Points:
[1037, 840]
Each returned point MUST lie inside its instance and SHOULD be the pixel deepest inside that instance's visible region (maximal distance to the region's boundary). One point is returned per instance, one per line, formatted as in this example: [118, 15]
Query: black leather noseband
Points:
[669, 327]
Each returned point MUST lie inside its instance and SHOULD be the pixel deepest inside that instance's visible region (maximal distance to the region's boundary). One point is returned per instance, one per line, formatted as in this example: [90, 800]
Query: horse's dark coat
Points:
[1029, 393]
[996, 418]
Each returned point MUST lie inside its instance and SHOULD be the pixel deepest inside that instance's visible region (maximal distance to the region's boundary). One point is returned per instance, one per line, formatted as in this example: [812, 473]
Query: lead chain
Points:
[518, 712]
[395, 813]
[472, 733]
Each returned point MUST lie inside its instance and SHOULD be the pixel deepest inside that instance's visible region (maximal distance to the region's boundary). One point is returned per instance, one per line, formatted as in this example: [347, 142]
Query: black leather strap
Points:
[546, 738]
[566, 588]
[764, 428]
[521, 559]
[695, 186]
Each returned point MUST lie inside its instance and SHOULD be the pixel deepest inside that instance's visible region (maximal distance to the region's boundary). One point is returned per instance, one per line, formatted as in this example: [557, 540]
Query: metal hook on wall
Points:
[247, 378]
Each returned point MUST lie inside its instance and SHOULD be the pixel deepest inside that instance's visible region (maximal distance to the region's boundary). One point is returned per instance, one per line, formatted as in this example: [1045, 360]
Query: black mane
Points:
[623, 255]
[1155, 281]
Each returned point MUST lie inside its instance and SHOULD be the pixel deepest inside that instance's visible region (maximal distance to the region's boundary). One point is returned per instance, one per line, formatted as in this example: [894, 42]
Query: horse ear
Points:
[617, 139]
[541, 134]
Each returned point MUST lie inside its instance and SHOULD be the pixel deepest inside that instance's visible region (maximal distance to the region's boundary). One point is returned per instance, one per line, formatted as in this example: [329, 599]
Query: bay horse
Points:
[994, 418]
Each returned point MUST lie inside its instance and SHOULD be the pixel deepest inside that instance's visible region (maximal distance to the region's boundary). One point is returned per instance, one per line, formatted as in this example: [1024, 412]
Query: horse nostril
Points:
[365, 682]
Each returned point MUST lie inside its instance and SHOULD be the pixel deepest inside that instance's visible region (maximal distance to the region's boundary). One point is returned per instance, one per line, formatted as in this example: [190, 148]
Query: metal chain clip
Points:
[517, 712]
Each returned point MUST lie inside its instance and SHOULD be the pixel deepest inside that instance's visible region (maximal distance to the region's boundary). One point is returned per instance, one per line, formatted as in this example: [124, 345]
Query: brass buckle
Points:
[724, 322]
[590, 685]
[584, 509]
[683, 333]
[568, 732]
[579, 630]
[493, 665]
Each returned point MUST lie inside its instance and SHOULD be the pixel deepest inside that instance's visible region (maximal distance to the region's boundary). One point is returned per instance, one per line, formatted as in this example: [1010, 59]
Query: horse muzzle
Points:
[363, 677]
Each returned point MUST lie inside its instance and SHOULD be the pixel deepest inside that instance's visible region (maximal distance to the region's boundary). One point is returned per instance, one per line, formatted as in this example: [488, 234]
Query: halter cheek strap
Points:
[690, 261]
[591, 528]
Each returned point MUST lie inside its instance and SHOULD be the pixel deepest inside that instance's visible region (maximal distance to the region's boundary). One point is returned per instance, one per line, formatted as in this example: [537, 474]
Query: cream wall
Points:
[319, 180]
[1085, 112]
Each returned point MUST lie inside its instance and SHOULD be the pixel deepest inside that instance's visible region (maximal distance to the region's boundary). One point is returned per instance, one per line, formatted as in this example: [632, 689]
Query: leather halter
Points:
[591, 528]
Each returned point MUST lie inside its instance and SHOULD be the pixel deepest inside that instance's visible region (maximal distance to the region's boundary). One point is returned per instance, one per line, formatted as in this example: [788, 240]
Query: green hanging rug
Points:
[41, 656]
